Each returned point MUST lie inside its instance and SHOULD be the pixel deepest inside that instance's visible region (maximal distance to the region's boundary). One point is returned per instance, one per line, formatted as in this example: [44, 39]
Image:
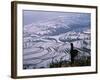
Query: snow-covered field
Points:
[50, 40]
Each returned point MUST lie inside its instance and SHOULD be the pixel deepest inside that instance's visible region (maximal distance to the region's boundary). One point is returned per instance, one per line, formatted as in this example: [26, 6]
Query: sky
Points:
[33, 16]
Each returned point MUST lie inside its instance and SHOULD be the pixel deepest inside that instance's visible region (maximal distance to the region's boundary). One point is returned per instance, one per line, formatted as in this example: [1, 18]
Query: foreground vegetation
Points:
[63, 63]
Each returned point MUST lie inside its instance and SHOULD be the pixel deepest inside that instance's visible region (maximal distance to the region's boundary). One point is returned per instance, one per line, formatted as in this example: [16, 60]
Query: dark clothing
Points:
[73, 53]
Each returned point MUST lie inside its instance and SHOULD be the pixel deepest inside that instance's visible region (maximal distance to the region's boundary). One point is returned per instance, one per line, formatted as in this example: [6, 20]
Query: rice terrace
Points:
[56, 39]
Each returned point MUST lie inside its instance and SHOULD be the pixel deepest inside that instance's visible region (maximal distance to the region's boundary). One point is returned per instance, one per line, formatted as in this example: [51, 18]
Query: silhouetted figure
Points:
[73, 53]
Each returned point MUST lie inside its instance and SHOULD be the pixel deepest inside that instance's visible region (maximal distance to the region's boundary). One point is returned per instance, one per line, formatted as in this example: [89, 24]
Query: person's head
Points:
[71, 44]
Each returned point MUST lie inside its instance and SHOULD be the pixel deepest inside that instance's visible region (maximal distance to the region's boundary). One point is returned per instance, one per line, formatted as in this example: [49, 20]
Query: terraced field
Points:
[40, 52]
